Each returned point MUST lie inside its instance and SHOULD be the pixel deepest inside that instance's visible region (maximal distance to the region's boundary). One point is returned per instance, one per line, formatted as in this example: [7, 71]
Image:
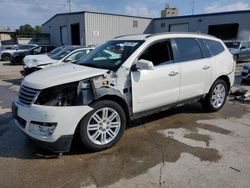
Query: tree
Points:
[27, 28]
[38, 29]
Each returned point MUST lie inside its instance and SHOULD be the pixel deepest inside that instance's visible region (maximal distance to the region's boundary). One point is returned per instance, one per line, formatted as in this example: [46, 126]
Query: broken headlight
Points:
[63, 95]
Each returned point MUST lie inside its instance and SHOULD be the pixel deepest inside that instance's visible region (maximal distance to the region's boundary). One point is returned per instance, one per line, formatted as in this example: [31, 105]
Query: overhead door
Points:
[64, 35]
[178, 27]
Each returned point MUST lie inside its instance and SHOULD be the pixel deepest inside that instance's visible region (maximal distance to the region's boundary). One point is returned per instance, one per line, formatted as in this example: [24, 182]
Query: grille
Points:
[27, 95]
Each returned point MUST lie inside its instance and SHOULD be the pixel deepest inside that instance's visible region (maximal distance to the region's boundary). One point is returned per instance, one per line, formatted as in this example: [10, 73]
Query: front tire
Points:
[103, 126]
[216, 97]
[6, 57]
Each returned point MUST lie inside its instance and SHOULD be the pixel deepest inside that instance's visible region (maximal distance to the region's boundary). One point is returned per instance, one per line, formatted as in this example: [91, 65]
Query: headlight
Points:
[63, 95]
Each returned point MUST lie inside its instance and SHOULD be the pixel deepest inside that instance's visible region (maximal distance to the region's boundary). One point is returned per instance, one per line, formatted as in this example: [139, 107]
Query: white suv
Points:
[126, 78]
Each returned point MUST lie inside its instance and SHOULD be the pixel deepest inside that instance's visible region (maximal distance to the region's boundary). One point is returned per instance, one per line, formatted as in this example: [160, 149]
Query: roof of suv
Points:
[160, 35]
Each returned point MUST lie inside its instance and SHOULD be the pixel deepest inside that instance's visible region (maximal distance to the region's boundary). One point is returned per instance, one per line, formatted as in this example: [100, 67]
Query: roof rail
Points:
[164, 33]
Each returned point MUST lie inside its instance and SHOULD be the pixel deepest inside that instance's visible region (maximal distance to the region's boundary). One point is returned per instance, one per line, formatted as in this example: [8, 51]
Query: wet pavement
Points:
[183, 147]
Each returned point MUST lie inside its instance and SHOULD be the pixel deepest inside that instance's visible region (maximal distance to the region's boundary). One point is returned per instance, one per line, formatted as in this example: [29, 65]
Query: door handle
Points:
[205, 67]
[173, 73]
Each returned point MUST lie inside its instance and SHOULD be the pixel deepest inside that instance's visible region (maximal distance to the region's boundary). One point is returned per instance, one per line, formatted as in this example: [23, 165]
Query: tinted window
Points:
[214, 46]
[189, 49]
[159, 53]
[205, 51]
[244, 45]
[232, 44]
[248, 44]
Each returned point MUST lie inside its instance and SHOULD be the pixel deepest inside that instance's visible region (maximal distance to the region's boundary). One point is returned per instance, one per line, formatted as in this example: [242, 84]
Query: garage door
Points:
[178, 27]
[64, 36]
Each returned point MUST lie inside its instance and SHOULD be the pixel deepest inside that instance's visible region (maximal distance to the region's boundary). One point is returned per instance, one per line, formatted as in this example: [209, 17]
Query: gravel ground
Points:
[184, 147]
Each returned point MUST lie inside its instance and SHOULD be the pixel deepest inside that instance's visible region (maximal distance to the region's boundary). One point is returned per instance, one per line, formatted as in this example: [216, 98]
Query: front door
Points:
[158, 87]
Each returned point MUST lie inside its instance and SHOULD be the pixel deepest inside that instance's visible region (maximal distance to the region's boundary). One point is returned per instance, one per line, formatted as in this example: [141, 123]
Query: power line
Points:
[69, 5]
[193, 6]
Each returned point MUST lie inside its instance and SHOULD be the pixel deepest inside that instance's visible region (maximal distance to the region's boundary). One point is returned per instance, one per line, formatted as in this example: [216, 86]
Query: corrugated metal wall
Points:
[101, 27]
[53, 28]
[201, 23]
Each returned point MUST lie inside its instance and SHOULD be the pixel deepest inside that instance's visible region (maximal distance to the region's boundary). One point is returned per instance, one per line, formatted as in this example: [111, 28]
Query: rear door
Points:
[195, 70]
[159, 87]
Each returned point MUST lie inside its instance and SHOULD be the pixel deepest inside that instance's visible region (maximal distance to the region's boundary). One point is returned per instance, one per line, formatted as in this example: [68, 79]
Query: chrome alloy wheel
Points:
[218, 96]
[103, 126]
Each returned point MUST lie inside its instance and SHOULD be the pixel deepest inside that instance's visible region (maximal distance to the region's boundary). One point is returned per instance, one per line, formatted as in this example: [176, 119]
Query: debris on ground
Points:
[239, 93]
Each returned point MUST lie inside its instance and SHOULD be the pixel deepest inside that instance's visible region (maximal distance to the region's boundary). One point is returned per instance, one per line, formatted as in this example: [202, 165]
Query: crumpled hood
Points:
[36, 60]
[58, 75]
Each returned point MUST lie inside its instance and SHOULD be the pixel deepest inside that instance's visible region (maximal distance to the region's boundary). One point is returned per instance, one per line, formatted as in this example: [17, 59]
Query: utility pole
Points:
[193, 6]
[69, 5]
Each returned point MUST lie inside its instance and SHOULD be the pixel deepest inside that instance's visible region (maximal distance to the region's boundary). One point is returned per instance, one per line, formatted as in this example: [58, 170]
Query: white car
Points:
[7, 55]
[30, 58]
[67, 54]
[96, 98]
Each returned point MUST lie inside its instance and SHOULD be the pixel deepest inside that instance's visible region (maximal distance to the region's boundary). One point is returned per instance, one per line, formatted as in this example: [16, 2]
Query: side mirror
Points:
[242, 48]
[143, 64]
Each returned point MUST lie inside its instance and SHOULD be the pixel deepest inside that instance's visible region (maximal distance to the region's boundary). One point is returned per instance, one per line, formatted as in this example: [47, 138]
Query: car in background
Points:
[7, 55]
[30, 58]
[239, 49]
[40, 49]
[7, 44]
[246, 73]
[67, 54]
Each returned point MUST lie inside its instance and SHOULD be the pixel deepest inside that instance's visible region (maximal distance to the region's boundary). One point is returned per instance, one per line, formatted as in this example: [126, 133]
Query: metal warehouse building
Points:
[87, 28]
[227, 25]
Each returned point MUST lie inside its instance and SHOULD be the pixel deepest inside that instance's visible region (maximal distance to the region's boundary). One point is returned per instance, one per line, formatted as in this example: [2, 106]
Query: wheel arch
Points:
[226, 79]
[119, 100]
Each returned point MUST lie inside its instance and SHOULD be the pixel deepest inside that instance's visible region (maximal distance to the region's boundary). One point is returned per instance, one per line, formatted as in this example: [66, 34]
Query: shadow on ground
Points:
[16, 82]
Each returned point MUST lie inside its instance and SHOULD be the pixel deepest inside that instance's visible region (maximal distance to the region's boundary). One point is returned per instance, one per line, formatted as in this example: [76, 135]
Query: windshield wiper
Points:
[90, 65]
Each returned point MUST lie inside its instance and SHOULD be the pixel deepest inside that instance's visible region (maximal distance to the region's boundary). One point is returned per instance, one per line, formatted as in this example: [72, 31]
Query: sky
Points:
[14, 13]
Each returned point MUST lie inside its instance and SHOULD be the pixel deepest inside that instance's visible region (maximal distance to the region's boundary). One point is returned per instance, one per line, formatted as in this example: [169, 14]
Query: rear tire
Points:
[216, 97]
[103, 126]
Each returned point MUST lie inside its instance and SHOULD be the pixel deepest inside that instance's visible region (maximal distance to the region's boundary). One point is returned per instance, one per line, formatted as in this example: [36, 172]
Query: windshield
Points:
[55, 51]
[232, 44]
[110, 55]
[24, 47]
[61, 54]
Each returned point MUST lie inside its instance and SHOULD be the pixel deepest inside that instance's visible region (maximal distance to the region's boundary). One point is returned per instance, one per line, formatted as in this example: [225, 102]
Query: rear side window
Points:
[188, 48]
[214, 46]
[205, 51]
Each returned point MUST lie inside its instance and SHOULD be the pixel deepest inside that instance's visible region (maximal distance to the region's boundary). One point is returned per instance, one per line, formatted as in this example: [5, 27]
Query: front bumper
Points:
[66, 119]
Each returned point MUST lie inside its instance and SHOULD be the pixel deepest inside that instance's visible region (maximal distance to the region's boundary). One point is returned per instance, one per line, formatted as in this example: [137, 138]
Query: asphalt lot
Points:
[184, 147]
